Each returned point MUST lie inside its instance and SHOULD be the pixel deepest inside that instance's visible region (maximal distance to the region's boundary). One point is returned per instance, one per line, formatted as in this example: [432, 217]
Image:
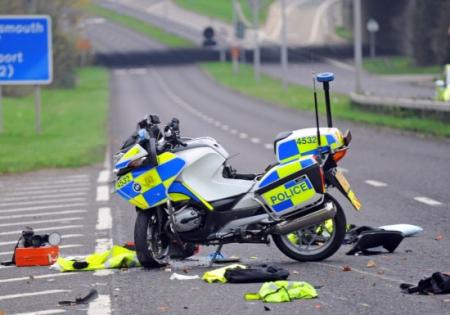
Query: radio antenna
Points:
[319, 144]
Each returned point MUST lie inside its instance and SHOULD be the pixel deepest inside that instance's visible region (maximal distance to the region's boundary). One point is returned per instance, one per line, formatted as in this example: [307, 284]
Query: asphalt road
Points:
[306, 22]
[388, 170]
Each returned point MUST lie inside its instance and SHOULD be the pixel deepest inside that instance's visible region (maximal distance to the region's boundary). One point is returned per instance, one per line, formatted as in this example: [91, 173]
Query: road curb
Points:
[425, 108]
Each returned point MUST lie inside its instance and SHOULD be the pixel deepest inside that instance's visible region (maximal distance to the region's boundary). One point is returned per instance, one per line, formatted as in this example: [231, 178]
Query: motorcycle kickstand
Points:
[216, 253]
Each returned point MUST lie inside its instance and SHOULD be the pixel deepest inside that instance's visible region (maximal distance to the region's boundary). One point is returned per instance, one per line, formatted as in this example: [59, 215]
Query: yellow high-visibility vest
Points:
[283, 291]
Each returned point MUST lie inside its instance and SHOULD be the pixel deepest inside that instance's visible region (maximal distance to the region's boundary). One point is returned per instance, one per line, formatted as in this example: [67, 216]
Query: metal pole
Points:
[256, 52]
[357, 48]
[234, 59]
[284, 52]
[37, 108]
[1, 111]
[372, 44]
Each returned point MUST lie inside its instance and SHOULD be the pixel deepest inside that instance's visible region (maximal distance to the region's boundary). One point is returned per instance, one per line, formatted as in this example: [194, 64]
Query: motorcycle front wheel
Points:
[152, 245]
[317, 242]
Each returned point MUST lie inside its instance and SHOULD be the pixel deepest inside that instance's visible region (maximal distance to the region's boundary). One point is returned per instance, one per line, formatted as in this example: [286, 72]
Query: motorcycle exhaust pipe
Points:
[316, 217]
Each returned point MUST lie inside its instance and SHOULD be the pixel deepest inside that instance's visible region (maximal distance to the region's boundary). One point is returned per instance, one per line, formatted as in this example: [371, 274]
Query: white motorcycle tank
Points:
[203, 173]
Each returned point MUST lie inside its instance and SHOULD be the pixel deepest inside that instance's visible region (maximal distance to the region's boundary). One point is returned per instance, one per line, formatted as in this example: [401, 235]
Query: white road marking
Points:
[343, 170]
[40, 214]
[45, 191]
[42, 182]
[428, 201]
[49, 228]
[268, 146]
[375, 183]
[20, 295]
[243, 135]
[64, 237]
[255, 140]
[101, 305]
[103, 244]
[49, 196]
[72, 205]
[37, 202]
[103, 177]
[22, 223]
[217, 123]
[233, 131]
[60, 246]
[47, 187]
[225, 127]
[104, 220]
[45, 312]
[102, 193]
[138, 71]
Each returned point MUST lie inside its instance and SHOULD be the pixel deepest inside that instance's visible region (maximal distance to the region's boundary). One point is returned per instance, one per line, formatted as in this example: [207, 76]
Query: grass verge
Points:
[397, 65]
[301, 98]
[73, 126]
[147, 29]
[344, 33]
[222, 9]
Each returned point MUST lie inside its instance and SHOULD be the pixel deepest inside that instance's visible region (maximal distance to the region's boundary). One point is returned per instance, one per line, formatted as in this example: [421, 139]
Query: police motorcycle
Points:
[186, 193]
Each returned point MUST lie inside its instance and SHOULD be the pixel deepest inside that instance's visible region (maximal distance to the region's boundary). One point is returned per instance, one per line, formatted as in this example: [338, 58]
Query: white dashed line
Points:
[65, 236]
[46, 276]
[36, 202]
[217, 123]
[104, 220]
[255, 140]
[72, 205]
[24, 223]
[46, 191]
[428, 201]
[41, 214]
[243, 135]
[268, 146]
[102, 193]
[103, 177]
[47, 197]
[101, 305]
[233, 131]
[45, 312]
[20, 295]
[225, 127]
[375, 183]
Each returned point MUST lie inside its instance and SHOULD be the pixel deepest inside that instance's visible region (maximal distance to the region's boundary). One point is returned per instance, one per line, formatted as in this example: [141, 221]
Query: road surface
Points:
[399, 178]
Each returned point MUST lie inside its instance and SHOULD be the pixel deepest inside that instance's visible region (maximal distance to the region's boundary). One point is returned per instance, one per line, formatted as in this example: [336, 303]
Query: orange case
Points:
[40, 256]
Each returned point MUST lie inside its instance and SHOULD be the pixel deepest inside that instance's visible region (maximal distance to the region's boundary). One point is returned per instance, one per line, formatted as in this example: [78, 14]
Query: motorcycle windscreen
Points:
[291, 186]
[147, 186]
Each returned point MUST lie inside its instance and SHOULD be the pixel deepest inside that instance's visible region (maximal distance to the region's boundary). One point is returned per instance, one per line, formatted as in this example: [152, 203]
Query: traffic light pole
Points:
[357, 48]
[256, 51]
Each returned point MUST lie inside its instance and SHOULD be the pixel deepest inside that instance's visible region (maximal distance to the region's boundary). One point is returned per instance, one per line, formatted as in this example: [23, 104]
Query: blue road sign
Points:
[25, 49]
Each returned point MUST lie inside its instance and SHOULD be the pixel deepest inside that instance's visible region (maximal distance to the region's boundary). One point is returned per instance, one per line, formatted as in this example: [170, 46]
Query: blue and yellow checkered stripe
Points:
[292, 193]
[147, 187]
[291, 150]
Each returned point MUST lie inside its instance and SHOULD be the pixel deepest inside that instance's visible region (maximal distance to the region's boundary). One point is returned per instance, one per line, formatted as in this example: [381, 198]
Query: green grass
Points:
[73, 126]
[344, 33]
[397, 65]
[222, 9]
[142, 27]
[301, 98]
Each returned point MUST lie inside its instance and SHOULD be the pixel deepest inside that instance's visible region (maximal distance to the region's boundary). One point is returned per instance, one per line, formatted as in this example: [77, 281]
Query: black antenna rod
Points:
[319, 144]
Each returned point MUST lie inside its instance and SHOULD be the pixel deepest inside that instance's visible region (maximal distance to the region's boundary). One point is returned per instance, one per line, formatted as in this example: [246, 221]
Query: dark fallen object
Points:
[256, 274]
[92, 295]
[438, 283]
[365, 237]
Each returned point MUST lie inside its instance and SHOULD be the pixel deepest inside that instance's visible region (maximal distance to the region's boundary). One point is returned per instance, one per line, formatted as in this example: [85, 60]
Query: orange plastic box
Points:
[40, 256]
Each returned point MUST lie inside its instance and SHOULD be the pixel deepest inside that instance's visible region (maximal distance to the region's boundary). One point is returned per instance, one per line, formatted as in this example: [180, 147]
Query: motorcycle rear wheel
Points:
[299, 244]
[152, 247]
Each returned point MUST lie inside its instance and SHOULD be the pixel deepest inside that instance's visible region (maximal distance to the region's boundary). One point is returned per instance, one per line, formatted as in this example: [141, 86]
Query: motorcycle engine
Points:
[187, 219]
